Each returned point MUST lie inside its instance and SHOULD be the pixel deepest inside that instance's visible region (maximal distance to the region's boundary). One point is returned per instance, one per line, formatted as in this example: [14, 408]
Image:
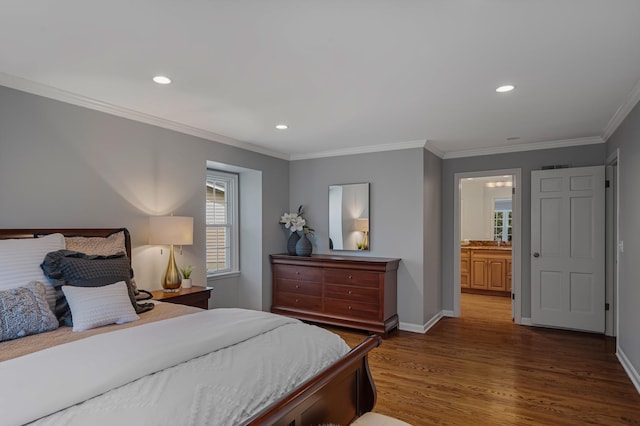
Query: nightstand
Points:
[194, 296]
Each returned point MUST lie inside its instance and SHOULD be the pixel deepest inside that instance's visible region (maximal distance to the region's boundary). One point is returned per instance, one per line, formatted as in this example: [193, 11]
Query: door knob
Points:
[536, 254]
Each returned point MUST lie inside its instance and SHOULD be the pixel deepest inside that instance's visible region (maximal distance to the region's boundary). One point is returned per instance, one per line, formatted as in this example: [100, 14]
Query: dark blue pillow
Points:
[66, 267]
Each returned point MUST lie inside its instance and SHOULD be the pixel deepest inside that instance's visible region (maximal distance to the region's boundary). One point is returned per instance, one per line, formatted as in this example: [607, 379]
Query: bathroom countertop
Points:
[501, 248]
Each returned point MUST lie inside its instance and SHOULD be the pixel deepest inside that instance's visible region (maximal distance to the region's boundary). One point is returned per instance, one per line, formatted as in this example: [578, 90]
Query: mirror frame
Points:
[351, 223]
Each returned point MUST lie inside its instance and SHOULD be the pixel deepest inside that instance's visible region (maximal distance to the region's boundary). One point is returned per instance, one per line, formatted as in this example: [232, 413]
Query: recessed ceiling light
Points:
[505, 88]
[161, 79]
[282, 127]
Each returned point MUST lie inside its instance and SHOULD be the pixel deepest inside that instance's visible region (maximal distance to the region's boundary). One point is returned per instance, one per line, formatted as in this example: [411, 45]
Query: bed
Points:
[178, 364]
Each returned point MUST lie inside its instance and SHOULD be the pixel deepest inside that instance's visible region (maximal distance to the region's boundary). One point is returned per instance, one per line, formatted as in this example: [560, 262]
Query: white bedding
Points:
[216, 367]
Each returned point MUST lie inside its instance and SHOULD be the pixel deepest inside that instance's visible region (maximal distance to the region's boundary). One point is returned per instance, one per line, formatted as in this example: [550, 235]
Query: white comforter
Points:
[214, 367]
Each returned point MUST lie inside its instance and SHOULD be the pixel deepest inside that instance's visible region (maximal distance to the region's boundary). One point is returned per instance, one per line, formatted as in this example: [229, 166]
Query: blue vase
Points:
[291, 243]
[303, 246]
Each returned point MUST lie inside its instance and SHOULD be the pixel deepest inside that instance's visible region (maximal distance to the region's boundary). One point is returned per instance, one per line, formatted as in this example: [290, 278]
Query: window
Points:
[502, 220]
[222, 222]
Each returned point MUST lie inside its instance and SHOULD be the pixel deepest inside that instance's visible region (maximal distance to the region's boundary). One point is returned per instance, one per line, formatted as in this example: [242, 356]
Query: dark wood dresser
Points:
[350, 291]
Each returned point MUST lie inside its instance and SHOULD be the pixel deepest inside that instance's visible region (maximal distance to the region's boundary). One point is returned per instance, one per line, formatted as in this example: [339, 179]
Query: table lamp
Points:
[362, 225]
[171, 230]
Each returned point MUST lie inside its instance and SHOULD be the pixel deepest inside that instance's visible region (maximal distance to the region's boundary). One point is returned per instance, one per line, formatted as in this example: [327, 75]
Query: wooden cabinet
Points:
[478, 274]
[496, 274]
[488, 270]
[465, 274]
[350, 291]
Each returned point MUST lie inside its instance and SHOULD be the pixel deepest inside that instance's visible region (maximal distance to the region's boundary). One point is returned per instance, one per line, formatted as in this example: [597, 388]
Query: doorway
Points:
[612, 248]
[487, 238]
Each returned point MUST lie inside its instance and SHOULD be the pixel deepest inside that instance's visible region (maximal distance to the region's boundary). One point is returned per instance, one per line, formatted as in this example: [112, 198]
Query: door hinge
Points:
[513, 191]
[607, 183]
[513, 296]
[606, 306]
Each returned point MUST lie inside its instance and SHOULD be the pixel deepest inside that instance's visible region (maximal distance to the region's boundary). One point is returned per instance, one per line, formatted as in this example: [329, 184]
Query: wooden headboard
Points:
[80, 232]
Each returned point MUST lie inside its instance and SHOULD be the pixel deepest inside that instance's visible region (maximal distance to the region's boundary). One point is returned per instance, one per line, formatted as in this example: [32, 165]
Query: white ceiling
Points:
[345, 75]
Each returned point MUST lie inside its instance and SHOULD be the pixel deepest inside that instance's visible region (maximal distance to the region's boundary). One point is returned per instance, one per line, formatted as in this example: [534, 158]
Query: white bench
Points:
[376, 419]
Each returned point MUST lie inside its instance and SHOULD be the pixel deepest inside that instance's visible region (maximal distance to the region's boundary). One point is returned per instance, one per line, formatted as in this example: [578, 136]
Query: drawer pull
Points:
[349, 307]
[297, 300]
[297, 286]
[297, 272]
[350, 277]
[349, 291]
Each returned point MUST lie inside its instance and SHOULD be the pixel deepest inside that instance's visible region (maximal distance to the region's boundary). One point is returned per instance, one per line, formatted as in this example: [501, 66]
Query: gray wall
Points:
[579, 156]
[67, 166]
[432, 236]
[627, 139]
[399, 185]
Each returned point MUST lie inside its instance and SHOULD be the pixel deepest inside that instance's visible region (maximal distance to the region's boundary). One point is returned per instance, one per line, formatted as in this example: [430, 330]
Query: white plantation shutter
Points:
[221, 222]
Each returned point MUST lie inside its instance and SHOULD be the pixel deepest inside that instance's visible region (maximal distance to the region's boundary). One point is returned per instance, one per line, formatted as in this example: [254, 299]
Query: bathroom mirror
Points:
[349, 217]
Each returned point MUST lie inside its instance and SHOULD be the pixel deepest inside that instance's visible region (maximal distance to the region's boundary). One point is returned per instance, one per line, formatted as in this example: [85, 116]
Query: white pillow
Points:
[93, 307]
[20, 261]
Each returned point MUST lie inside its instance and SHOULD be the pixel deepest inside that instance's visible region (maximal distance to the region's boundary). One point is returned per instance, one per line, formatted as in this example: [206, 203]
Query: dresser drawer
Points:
[347, 308]
[360, 294]
[298, 301]
[352, 277]
[299, 273]
[309, 288]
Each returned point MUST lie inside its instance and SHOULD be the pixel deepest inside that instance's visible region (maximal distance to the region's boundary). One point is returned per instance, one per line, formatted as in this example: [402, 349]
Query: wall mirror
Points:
[349, 217]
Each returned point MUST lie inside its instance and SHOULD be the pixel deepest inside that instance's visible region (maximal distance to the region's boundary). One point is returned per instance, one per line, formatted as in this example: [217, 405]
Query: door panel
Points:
[582, 291]
[567, 247]
[581, 230]
[550, 291]
[550, 221]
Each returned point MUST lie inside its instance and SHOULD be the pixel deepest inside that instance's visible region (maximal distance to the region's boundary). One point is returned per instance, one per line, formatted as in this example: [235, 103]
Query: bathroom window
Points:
[502, 220]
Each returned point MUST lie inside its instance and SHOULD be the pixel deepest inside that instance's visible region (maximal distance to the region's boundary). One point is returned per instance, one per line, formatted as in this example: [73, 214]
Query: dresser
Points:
[350, 291]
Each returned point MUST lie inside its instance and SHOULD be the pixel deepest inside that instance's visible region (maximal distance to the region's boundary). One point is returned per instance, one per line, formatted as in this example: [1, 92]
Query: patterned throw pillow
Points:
[20, 262]
[24, 311]
[98, 246]
[93, 307]
[66, 267]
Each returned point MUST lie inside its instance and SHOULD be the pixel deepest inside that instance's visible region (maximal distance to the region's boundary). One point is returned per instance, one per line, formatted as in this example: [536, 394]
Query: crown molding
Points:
[429, 146]
[51, 92]
[632, 99]
[395, 146]
[524, 147]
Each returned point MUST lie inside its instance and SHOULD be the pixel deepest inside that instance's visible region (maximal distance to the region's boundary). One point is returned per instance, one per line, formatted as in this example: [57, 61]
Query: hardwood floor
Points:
[481, 369]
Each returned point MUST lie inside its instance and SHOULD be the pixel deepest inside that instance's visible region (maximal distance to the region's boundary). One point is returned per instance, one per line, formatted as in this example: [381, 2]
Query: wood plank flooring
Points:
[481, 369]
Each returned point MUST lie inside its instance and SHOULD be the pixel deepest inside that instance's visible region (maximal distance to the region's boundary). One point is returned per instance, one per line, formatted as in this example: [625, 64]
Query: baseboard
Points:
[526, 321]
[415, 328]
[628, 367]
[448, 314]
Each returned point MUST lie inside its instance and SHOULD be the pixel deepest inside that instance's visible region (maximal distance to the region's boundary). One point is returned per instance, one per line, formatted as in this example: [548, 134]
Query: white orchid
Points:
[287, 218]
[295, 221]
[297, 224]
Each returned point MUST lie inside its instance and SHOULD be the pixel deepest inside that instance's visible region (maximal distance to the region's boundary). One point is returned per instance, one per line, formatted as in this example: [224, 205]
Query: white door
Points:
[567, 248]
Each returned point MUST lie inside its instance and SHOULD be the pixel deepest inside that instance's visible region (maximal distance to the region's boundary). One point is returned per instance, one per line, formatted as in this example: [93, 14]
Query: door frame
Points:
[516, 241]
[612, 251]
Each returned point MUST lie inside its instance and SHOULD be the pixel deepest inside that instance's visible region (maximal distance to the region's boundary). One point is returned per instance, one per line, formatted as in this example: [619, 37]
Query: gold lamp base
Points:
[171, 280]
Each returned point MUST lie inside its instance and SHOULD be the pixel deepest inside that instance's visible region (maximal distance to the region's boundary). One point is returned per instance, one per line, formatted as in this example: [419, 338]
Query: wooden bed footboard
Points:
[337, 396]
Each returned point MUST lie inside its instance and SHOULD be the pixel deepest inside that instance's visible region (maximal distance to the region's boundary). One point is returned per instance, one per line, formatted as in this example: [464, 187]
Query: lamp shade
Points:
[362, 224]
[167, 230]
